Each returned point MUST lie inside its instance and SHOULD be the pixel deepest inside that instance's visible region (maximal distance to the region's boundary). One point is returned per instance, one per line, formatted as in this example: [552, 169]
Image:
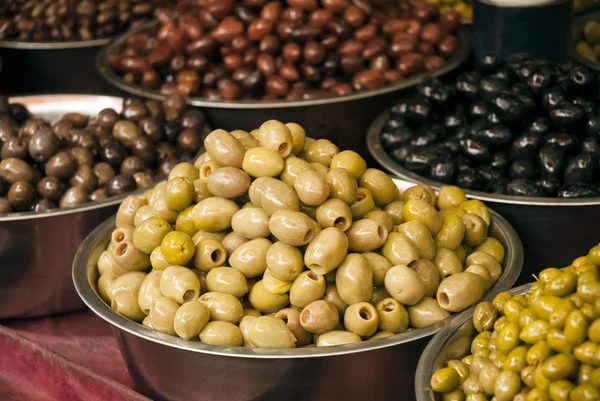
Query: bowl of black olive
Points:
[520, 134]
[66, 163]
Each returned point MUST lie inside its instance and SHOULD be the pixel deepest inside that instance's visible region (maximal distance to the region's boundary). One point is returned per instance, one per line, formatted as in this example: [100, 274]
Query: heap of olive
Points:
[516, 126]
[79, 159]
[61, 21]
[292, 49]
[275, 240]
[539, 345]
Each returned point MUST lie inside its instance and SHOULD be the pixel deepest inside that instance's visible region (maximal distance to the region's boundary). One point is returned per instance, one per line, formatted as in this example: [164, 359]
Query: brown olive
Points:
[85, 178]
[21, 195]
[14, 148]
[104, 172]
[74, 196]
[132, 165]
[43, 145]
[121, 184]
[62, 165]
[51, 188]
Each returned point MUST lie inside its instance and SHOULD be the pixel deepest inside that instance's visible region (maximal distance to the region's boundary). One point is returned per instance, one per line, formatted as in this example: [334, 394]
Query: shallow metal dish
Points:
[578, 22]
[166, 367]
[37, 249]
[52, 67]
[554, 231]
[342, 119]
[452, 342]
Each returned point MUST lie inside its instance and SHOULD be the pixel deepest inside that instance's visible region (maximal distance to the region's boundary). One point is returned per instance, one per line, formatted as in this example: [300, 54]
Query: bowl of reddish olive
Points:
[66, 162]
[520, 134]
[328, 64]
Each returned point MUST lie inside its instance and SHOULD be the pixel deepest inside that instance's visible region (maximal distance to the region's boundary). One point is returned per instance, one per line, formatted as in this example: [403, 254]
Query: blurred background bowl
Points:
[165, 367]
[578, 36]
[341, 119]
[554, 231]
[452, 342]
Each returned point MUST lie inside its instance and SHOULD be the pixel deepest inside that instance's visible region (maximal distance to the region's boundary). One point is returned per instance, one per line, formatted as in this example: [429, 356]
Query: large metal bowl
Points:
[63, 67]
[342, 119]
[553, 230]
[452, 342]
[37, 249]
[166, 367]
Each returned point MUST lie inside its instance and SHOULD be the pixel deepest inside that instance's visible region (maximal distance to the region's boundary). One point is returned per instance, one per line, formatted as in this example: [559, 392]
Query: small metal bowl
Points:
[452, 342]
[342, 119]
[52, 67]
[578, 24]
[169, 368]
[553, 230]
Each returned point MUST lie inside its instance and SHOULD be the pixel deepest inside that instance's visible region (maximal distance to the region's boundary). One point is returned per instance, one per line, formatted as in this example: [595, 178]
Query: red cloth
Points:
[65, 358]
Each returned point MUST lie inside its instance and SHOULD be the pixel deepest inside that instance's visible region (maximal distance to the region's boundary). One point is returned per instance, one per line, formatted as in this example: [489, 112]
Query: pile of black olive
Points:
[515, 126]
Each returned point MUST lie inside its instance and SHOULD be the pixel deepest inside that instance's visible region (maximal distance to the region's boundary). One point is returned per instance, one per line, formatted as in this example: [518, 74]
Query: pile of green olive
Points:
[275, 240]
[541, 345]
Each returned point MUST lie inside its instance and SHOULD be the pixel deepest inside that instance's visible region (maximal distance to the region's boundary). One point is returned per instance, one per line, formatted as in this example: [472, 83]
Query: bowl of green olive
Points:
[536, 342]
[276, 257]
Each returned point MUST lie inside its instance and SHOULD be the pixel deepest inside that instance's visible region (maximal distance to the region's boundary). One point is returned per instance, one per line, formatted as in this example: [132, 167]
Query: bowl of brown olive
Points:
[66, 162]
[330, 65]
[63, 37]
[520, 134]
[553, 354]
[277, 256]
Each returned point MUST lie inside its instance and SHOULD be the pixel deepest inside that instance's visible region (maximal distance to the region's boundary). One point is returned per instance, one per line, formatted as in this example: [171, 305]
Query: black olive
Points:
[489, 62]
[419, 162]
[578, 191]
[515, 61]
[493, 118]
[435, 91]
[591, 145]
[565, 84]
[475, 150]
[462, 132]
[593, 125]
[509, 107]
[490, 87]
[444, 171]
[588, 105]
[525, 146]
[399, 109]
[18, 112]
[462, 163]
[581, 169]
[428, 134]
[552, 97]
[548, 185]
[469, 179]
[396, 138]
[551, 160]
[565, 140]
[497, 135]
[523, 168]
[418, 111]
[452, 121]
[529, 102]
[584, 81]
[476, 110]
[467, 85]
[499, 186]
[542, 78]
[520, 88]
[477, 125]
[523, 187]
[568, 116]
[452, 144]
[539, 126]
[489, 175]
[499, 161]
[400, 154]
[502, 75]
[521, 70]
[393, 123]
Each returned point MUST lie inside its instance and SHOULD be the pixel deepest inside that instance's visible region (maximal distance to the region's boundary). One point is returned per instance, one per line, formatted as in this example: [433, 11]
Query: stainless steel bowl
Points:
[342, 119]
[554, 231]
[166, 367]
[37, 249]
[452, 342]
[581, 17]
[60, 67]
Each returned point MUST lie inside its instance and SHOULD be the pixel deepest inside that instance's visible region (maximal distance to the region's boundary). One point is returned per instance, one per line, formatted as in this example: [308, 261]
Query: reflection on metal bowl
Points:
[169, 368]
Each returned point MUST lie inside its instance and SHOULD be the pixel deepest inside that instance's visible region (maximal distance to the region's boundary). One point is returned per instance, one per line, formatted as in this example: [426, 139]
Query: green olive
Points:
[149, 290]
[251, 223]
[180, 284]
[326, 250]
[476, 229]
[276, 136]
[334, 213]
[576, 327]
[273, 195]
[214, 214]
[262, 162]
[251, 257]
[311, 188]
[364, 203]
[342, 185]
[177, 248]
[185, 223]
[560, 390]
[447, 263]
[534, 332]
[420, 192]
[222, 333]
[354, 279]
[227, 281]
[366, 235]
[284, 261]
[351, 161]
[265, 301]
[319, 317]
[487, 261]
[190, 319]
[508, 338]
[362, 319]
[306, 288]
[420, 236]
[395, 210]
[380, 185]
[270, 332]
[337, 337]
[293, 167]
[450, 196]
[162, 315]
[584, 392]
[444, 380]
[426, 312]
[381, 217]
[559, 366]
[298, 137]
[291, 317]
[206, 169]
[404, 285]
[484, 316]
[209, 254]
[586, 353]
[399, 250]
[492, 246]
[228, 182]
[482, 272]
[321, 151]
[417, 209]
[561, 285]
[507, 385]
[393, 316]
[292, 228]
[516, 359]
[429, 274]
[224, 148]
[157, 203]
[380, 265]
[451, 233]
[179, 193]
[475, 206]
[557, 341]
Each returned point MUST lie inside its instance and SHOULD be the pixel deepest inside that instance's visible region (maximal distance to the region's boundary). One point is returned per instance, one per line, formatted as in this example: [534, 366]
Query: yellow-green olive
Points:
[270, 332]
[222, 333]
[125, 303]
[364, 203]
[337, 337]
[429, 274]
[380, 265]
[426, 312]
[379, 294]
[307, 287]
[354, 279]
[366, 235]
[332, 295]
[128, 209]
[126, 283]
[420, 192]
[487, 261]
[477, 207]
[321, 151]
[447, 263]
[158, 203]
[294, 166]
[444, 380]
[228, 182]
[273, 195]
[342, 185]
[227, 280]
[245, 138]
[450, 196]
[285, 262]
[129, 257]
[492, 246]
[276, 136]
[382, 217]
[245, 326]
[206, 169]
[177, 248]
[404, 285]
[311, 188]
[180, 284]
[224, 148]
[179, 193]
[121, 234]
[162, 315]
[262, 162]
[420, 236]
[361, 319]
[334, 213]
[380, 185]
[142, 214]
[298, 137]
[326, 251]
[351, 161]
[209, 253]
[184, 170]
[292, 228]
[232, 241]
[149, 290]
[200, 190]
[190, 319]
[417, 209]
[185, 223]
[476, 229]
[482, 272]
[393, 316]
[251, 223]
[214, 214]
[451, 234]
[157, 260]
[399, 250]
[107, 263]
[150, 234]
[319, 317]
[265, 301]
[291, 317]
[459, 291]
[576, 328]
[251, 257]
[395, 210]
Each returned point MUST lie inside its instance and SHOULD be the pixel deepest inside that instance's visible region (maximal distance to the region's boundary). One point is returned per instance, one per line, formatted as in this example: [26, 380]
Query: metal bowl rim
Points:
[104, 69]
[432, 350]
[76, 44]
[380, 155]
[513, 264]
[579, 19]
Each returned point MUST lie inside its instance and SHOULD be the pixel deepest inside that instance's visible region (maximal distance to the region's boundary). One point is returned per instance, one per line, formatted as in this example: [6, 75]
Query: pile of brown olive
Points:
[275, 240]
[68, 20]
[79, 159]
[539, 345]
[292, 49]
[515, 126]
